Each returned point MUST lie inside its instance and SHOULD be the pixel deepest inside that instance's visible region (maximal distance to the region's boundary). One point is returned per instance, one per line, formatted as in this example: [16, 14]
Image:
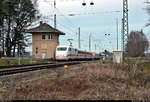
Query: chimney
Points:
[41, 22]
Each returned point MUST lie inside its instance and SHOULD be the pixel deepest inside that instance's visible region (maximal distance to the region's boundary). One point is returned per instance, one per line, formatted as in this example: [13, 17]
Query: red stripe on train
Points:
[61, 56]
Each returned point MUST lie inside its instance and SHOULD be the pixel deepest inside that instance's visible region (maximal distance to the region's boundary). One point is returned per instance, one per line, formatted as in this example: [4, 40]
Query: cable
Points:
[66, 26]
[69, 29]
[66, 18]
[58, 22]
[90, 13]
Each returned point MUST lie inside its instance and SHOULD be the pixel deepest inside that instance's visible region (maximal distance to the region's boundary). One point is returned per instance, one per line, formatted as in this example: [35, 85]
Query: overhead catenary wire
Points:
[64, 26]
[46, 18]
[72, 24]
[93, 13]
[57, 10]
[89, 13]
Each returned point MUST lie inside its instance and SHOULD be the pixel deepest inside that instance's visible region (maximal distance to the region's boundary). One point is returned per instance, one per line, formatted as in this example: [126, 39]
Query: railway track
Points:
[26, 68]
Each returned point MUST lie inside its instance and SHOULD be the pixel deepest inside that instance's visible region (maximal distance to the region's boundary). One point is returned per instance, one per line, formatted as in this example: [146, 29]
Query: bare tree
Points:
[148, 12]
[17, 16]
[137, 44]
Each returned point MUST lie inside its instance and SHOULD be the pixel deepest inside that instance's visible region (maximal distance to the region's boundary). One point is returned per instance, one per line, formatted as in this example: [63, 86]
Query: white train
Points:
[70, 53]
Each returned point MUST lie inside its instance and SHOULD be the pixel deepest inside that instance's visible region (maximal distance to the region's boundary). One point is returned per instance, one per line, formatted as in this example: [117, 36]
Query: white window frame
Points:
[50, 37]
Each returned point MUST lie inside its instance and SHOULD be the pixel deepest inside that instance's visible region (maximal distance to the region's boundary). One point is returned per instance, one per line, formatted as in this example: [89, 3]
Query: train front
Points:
[61, 53]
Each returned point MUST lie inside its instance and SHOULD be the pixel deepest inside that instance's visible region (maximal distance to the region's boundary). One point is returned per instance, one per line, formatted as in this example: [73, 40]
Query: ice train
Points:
[70, 53]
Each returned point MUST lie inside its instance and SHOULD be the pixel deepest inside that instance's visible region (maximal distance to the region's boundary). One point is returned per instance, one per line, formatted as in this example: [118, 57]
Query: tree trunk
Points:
[2, 40]
[14, 50]
[8, 42]
[3, 46]
[18, 49]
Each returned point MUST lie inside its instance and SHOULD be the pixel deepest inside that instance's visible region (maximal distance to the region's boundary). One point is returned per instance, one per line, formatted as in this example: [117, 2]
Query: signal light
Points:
[84, 4]
[92, 3]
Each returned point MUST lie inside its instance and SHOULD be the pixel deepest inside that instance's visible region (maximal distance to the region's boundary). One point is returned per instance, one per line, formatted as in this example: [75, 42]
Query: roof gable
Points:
[44, 28]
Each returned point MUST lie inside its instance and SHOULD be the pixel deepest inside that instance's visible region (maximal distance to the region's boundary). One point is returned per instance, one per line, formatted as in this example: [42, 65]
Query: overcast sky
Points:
[99, 19]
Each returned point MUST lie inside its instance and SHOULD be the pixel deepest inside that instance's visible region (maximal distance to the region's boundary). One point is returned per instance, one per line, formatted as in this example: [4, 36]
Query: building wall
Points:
[39, 46]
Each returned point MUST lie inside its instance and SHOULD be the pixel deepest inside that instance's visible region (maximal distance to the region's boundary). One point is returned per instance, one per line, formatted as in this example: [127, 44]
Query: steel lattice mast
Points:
[125, 27]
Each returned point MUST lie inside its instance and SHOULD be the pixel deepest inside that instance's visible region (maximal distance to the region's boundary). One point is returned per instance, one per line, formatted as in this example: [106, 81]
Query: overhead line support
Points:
[125, 27]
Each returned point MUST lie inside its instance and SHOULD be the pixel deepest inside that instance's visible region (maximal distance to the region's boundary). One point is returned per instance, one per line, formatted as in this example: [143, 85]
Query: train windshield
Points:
[61, 49]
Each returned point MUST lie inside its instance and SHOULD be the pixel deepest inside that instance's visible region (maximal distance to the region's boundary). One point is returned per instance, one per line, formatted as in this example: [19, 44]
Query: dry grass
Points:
[96, 81]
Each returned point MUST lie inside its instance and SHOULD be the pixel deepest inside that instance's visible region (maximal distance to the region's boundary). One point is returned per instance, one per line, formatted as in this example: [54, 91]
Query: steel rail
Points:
[34, 68]
[23, 65]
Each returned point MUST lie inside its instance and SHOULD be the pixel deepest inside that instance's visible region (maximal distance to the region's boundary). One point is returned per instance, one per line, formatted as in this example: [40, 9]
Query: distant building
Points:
[117, 56]
[44, 41]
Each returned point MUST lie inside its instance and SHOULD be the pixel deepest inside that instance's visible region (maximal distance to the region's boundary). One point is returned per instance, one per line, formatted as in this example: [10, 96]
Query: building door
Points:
[43, 55]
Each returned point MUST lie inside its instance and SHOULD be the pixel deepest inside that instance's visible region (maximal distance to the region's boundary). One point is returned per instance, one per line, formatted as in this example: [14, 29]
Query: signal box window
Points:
[43, 37]
[50, 37]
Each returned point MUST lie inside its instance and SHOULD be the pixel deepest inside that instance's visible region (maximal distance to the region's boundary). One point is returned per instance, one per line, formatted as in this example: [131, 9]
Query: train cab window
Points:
[69, 49]
[43, 37]
[76, 51]
[61, 49]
